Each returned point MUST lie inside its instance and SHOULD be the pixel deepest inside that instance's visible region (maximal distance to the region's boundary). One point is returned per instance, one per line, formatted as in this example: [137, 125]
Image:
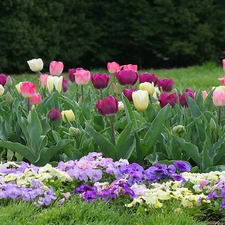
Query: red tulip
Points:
[36, 99]
[3, 79]
[28, 89]
[146, 77]
[100, 81]
[165, 99]
[107, 106]
[127, 77]
[165, 84]
[128, 93]
[54, 114]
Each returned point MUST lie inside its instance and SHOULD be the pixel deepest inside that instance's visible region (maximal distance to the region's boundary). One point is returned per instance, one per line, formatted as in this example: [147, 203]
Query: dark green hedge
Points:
[150, 33]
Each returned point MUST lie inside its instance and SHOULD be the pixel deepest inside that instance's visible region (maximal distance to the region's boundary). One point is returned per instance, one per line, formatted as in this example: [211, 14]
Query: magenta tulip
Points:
[146, 77]
[165, 99]
[128, 93]
[182, 97]
[71, 75]
[65, 84]
[100, 81]
[165, 84]
[107, 106]
[127, 77]
[3, 79]
[54, 114]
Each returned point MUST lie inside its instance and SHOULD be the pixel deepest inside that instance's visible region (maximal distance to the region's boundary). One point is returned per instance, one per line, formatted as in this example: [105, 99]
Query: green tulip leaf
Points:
[155, 157]
[155, 129]
[194, 109]
[104, 144]
[138, 149]
[216, 168]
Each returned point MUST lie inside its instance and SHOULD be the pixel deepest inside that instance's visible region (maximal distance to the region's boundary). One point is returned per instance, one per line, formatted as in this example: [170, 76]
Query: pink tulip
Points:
[36, 99]
[43, 79]
[223, 62]
[130, 67]
[222, 80]
[28, 89]
[56, 68]
[82, 77]
[113, 67]
[71, 75]
[204, 95]
[165, 99]
[219, 98]
[107, 106]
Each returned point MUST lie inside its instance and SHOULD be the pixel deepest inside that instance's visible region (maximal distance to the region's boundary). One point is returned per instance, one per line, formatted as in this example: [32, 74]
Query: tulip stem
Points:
[219, 115]
[141, 118]
[101, 94]
[28, 105]
[112, 129]
[82, 93]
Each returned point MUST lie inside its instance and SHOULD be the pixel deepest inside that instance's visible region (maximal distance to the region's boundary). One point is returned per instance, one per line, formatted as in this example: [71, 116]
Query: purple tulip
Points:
[100, 81]
[165, 99]
[54, 114]
[182, 166]
[107, 106]
[146, 77]
[3, 79]
[128, 93]
[65, 84]
[165, 84]
[127, 77]
[71, 74]
[182, 97]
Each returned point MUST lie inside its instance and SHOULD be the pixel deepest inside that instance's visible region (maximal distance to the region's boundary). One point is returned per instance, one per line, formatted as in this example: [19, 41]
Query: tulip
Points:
[107, 106]
[43, 79]
[71, 75]
[146, 77]
[54, 114]
[28, 89]
[146, 86]
[8, 97]
[127, 77]
[3, 79]
[56, 68]
[82, 77]
[219, 98]
[1, 90]
[113, 67]
[36, 99]
[69, 114]
[165, 84]
[54, 82]
[100, 81]
[9, 81]
[36, 65]
[130, 67]
[120, 105]
[65, 84]
[204, 95]
[18, 87]
[140, 99]
[222, 80]
[128, 93]
[165, 99]
[223, 62]
[182, 97]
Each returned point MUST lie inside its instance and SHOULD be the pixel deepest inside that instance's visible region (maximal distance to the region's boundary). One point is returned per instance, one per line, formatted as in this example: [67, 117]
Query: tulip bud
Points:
[74, 131]
[120, 105]
[29, 117]
[8, 97]
[54, 114]
[179, 130]
[1, 90]
[69, 115]
[212, 124]
[9, 81]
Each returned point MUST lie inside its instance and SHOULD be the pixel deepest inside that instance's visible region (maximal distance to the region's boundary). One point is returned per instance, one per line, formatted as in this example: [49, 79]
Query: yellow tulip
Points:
[54, 81]
[68, 114]
[18, 87]
[35, 64]
[1, 90]
[140, 99]
[149, 87]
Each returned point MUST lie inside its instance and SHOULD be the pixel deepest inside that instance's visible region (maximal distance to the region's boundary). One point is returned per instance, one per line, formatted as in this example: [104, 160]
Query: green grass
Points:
[96, 213]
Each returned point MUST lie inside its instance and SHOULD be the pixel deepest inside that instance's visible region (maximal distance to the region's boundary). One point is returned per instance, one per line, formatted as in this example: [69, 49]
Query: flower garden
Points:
[126, 135]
